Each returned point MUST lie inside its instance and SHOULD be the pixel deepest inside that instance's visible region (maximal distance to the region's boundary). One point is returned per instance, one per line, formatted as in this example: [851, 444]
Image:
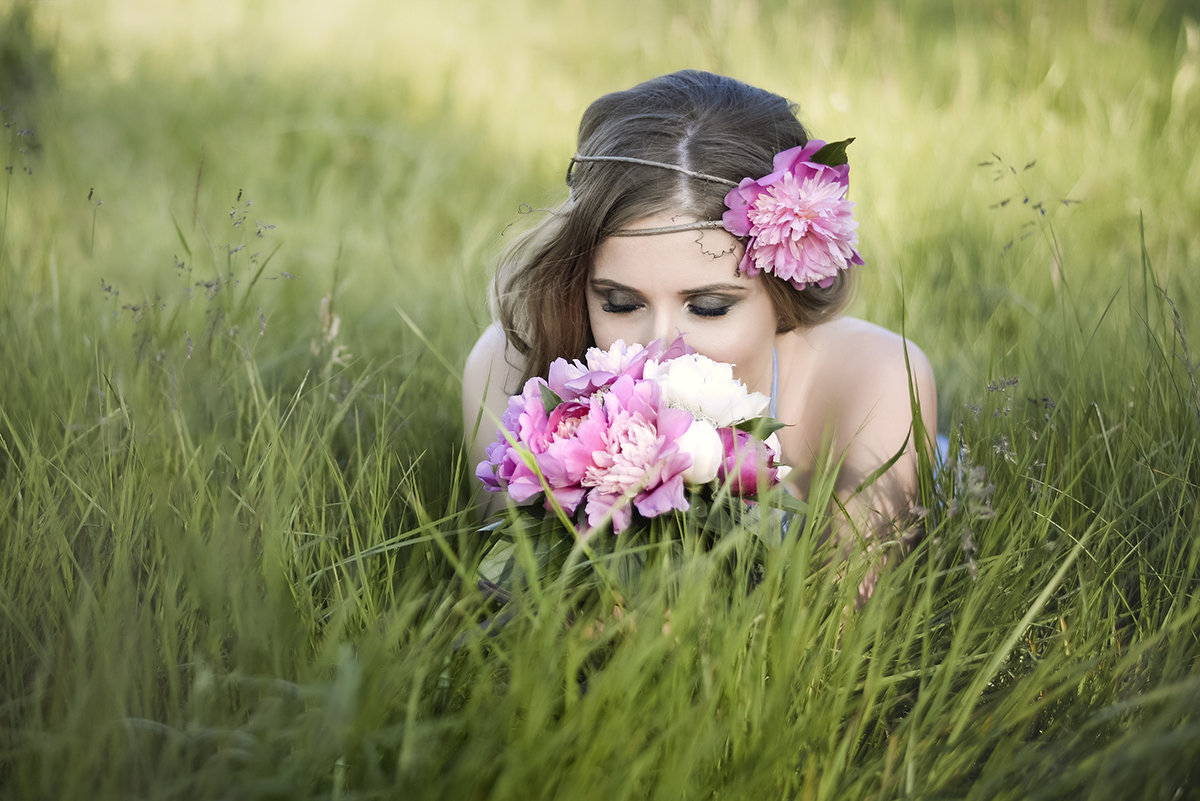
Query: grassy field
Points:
[244, 250]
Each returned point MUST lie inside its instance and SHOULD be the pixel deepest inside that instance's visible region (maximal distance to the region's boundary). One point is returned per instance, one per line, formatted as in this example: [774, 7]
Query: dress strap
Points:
[774, 408]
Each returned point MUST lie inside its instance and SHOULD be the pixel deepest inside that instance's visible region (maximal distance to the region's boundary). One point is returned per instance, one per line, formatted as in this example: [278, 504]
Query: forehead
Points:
[676, 260]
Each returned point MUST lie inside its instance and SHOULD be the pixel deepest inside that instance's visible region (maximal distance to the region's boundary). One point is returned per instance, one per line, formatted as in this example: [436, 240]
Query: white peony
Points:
[781, 470]
[702, 442]
[707, 389]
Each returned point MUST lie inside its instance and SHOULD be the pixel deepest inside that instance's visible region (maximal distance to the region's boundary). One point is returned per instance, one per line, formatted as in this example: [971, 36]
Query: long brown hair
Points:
[697, 120]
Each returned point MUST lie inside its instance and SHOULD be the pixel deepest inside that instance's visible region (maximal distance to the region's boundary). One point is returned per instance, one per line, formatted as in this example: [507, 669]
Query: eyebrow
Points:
[606, 283]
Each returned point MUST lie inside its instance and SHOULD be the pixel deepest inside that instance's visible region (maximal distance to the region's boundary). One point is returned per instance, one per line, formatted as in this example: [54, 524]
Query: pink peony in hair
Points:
[800, 225]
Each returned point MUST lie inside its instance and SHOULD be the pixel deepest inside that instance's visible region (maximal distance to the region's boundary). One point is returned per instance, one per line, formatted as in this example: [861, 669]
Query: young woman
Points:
[699, 207]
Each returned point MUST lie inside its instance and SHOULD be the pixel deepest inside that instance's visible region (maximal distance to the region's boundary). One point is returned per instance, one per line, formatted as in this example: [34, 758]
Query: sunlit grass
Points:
[243, 250]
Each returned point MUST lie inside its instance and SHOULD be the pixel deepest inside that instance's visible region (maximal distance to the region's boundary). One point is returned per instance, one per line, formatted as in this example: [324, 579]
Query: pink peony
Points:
[576, 379]
[800, 225]
[626, 449]
[526, 421]
[627, 431]
[618, 447]
[638, 453]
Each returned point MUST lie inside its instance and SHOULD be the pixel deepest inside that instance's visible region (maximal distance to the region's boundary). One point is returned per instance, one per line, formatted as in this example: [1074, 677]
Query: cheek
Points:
[723, 349]
[739, 341]
[608, 328]
[600, 327]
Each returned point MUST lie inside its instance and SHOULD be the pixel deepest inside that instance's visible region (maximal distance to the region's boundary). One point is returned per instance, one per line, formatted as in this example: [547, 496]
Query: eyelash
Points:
[709, 311]
[699, 311]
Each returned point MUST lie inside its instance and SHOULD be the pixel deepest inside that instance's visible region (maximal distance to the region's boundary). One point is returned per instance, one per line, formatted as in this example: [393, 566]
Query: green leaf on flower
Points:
[759, 427]
[550, 399]
[791, 504]
[832, 154]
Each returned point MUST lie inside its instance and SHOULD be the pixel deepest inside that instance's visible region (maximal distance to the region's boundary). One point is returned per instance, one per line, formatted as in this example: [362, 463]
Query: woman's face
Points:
[643, 288]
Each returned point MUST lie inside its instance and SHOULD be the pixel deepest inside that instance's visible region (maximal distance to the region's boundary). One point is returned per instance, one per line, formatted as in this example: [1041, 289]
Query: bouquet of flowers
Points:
[632, 431]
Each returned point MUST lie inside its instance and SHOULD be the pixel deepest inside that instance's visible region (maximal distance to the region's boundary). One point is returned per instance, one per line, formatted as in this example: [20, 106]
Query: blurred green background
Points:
[391, 144]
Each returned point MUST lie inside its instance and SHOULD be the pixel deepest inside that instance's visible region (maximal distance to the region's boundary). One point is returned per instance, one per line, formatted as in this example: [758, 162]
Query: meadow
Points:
[245, 247]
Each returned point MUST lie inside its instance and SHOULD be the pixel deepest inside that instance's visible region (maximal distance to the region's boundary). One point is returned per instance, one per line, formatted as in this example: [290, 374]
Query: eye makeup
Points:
[618, 301]
[714, 300]
[710, 305]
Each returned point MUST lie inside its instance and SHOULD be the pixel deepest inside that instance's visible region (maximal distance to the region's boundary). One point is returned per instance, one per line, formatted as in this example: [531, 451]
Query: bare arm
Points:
[492, 373]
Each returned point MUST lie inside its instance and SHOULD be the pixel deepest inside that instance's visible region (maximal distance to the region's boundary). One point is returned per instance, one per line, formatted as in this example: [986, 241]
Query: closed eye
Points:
[620, 302]
[710, 306]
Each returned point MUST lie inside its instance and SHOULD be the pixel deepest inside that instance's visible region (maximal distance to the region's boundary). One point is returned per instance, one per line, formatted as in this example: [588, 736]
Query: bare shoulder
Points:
[853, 385]
[492, 373]
[491, 352]
[862, 382]
[862, 355]
[863, 379]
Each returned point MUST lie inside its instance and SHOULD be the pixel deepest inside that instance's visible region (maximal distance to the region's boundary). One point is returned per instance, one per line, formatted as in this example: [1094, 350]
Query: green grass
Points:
[237, 540]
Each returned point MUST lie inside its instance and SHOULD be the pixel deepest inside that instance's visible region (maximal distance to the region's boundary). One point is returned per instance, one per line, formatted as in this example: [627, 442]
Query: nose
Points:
[666, 327]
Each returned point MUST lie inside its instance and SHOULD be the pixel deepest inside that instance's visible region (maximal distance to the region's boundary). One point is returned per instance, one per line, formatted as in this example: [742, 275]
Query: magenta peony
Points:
[749, 463]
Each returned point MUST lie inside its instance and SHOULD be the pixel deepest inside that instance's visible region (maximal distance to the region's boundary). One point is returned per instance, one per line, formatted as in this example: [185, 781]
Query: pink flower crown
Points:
[797, 222]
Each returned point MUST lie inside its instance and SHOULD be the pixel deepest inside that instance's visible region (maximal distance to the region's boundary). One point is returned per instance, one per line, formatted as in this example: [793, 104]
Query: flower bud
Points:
[702, 442]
